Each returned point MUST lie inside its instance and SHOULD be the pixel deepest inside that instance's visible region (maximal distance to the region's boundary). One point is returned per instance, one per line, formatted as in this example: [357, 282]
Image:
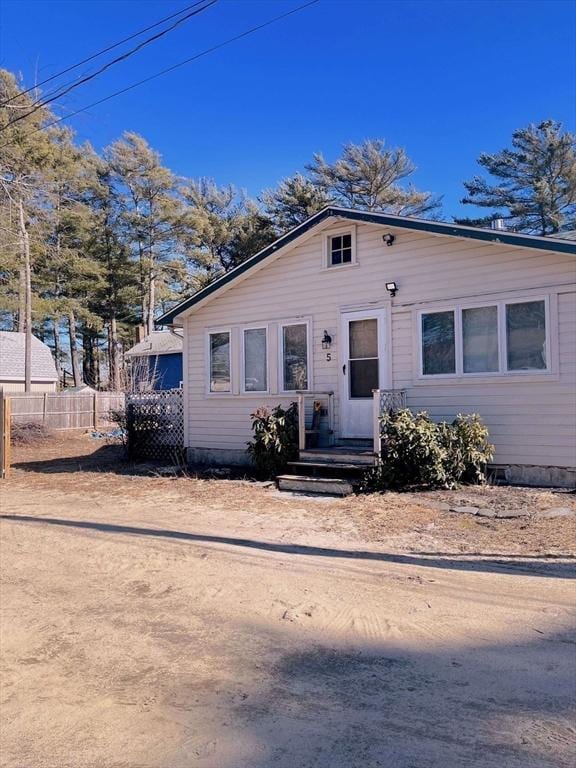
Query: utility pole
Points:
[25, 247]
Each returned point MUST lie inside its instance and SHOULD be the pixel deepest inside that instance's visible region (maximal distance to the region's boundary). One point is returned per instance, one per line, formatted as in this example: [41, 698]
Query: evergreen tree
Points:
[534, 182]
[150, 213]
[24, 156]
[220, 229]
[368, 176]
[295, 200]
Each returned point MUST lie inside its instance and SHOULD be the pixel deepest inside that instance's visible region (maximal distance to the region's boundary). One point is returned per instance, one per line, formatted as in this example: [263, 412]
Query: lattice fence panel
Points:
[392, 400]
[155, 425]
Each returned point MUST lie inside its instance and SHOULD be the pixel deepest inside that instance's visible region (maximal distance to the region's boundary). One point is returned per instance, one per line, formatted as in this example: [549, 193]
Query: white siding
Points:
[37, 386]
[532, 419]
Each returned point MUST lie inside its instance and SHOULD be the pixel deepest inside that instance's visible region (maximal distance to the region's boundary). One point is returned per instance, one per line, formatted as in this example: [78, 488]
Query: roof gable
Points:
[12, 351]
[157, 343]
[502, 237]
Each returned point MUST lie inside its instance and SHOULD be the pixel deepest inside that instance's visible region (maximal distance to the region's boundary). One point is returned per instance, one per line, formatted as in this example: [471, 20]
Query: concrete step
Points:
[338, 455]
[330, 486]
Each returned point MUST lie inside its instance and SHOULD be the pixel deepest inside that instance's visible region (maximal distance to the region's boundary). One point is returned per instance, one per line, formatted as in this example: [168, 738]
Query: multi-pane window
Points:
[340, 251]
[438, 343]
[294, 357]
[220, 362]
[504, 337]
[255, 360]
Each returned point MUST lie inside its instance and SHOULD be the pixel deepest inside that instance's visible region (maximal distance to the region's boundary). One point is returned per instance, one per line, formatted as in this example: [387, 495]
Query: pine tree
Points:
[150, 213]
[534, 182]
[295, 200]
[24, 155]
[220, 229]
[368, 176]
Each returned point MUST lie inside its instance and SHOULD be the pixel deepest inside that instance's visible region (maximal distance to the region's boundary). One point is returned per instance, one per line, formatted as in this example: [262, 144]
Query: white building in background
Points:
[44, 373]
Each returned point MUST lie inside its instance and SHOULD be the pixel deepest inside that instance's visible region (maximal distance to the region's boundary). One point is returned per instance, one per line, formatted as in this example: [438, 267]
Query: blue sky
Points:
[445, 80]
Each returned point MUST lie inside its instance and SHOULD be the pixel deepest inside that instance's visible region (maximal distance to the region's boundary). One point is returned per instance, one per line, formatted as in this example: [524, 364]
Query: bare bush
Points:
[29, 433]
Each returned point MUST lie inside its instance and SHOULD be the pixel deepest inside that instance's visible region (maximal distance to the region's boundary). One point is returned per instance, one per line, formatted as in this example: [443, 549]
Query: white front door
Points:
[362, 369]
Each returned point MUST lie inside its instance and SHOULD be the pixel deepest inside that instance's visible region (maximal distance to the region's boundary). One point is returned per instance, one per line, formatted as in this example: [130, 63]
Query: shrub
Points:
[275, 440]
[467, 448]
[28, 433]
[419, 452]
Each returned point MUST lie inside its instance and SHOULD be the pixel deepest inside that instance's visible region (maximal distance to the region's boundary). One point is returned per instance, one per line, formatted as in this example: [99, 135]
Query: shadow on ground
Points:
[482, 706]
[509, 565]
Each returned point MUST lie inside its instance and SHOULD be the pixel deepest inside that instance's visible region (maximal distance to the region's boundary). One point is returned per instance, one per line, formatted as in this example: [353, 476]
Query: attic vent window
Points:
[340, 250]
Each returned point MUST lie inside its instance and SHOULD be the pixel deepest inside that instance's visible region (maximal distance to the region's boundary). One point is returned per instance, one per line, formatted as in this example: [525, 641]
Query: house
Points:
[445, 318]
[12, 351]
[159, 358]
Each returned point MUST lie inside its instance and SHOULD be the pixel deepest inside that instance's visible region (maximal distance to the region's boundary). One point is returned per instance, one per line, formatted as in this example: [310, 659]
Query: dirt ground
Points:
[170, 622]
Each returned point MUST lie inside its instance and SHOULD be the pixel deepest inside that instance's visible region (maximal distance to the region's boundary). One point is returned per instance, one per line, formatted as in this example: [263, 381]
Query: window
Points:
[480, 340]
[255, 360]
[504, 337]
[363, 360]
[220, 362]
[340, 249]
[294, 357]
[526, 336]
[438, 343]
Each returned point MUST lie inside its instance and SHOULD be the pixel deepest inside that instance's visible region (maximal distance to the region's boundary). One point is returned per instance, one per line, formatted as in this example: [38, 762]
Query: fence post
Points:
[5, 445]
[376, 421]
[44, 407]
[95, 410]
[301, 422]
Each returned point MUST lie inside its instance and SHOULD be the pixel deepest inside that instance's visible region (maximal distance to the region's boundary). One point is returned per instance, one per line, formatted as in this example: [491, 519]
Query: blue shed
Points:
[161, 352]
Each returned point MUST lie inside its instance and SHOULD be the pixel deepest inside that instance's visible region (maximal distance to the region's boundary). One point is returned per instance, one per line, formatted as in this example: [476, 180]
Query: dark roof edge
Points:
[403, 222]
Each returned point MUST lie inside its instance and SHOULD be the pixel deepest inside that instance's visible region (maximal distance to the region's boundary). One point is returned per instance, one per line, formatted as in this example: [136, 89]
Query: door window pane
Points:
[526, 336]
[480, 339]
[255, 379]
[363, 377]
[363, 335]
[220, 362]
[438, 343]
[295, 357]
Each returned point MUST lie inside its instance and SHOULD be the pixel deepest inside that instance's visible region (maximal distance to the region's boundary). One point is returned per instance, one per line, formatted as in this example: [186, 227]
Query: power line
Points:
[102, 52]
[206, 52]
[59, 93]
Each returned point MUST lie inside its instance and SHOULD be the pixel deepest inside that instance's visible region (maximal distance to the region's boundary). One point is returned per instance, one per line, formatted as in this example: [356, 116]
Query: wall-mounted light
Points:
[391, 288]
[389, 238]
[326, 340]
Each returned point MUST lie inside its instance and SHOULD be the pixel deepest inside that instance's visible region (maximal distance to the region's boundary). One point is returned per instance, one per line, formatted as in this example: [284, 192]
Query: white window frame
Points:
[502, 371]
[212, 332]
[327, 250]
[256, 327]
[284, 324]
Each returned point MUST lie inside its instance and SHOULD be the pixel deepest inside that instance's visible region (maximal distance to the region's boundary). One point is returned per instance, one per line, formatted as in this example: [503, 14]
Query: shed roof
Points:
[157, 343]
[12, 348]
[550, 244]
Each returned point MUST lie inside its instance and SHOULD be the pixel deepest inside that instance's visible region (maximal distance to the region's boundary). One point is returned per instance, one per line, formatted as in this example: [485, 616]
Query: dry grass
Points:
[74, 463]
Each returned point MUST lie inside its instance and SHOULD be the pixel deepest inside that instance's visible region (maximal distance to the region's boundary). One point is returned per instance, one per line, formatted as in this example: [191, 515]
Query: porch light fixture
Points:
[391, 288]
[389, 238]
[326, 340]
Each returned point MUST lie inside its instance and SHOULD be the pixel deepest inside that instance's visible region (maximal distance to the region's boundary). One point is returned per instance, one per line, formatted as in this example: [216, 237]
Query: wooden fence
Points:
[60, 411]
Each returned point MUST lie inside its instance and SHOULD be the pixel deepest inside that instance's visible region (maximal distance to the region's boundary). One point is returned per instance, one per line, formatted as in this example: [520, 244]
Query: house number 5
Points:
[328, 356]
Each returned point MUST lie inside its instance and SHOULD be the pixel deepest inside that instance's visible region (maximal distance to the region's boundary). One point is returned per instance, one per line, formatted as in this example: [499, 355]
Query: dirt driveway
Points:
[153, 622]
